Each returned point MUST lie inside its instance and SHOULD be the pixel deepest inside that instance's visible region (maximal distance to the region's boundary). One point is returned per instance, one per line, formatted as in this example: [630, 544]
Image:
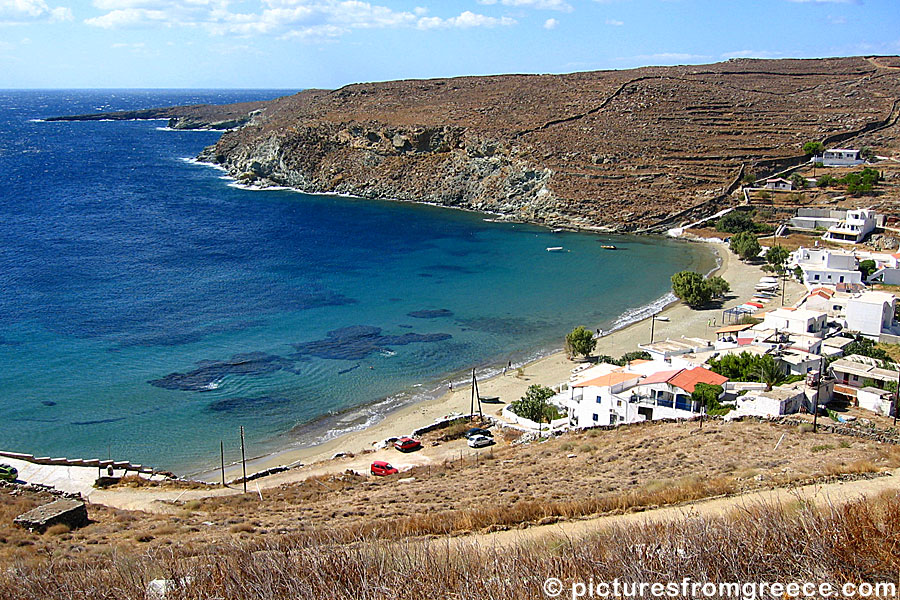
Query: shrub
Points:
[580, 341]
[534, 406]
[813, 148]
[745, 245]
[691, 288]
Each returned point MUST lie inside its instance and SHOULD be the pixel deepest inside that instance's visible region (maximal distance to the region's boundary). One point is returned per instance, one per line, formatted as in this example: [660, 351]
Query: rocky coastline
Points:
[633, 151]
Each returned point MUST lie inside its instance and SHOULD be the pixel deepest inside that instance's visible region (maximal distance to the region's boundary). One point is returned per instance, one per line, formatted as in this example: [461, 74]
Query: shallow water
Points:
[148, 308]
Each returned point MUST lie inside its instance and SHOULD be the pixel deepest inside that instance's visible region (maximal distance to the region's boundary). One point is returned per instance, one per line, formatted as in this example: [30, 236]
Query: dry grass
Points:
[797, 542]
[629, 469]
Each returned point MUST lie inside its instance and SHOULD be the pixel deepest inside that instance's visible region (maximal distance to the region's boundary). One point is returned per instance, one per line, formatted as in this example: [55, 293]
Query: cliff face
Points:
[620, 149]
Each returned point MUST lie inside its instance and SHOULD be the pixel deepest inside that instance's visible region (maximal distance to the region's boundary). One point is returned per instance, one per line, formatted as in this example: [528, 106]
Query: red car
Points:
[407, 444]
[381, 468]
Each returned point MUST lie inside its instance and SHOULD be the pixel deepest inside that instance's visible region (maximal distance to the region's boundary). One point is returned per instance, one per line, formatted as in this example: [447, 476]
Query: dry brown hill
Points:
[628, 149]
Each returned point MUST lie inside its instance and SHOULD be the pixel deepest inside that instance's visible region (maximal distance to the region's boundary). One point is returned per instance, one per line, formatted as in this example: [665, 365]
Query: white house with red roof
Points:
[624, 396]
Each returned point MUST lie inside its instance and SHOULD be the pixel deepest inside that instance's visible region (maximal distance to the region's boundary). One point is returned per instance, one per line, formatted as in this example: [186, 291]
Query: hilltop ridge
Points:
[627, 150]
[631, 150]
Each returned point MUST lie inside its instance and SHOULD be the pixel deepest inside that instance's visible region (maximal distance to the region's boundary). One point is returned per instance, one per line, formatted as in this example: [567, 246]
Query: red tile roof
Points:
[686, 379]
[661, 376]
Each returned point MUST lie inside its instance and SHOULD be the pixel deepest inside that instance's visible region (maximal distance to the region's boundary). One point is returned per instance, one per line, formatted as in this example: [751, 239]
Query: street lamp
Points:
[652, 324]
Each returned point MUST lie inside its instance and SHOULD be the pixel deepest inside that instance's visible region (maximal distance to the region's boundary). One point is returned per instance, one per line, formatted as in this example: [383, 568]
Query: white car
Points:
[479, 441]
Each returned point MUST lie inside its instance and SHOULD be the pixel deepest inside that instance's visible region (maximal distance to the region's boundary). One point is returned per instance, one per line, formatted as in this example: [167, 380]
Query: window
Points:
[613, 419]
[599, 399]
[816, 277]
[596, 417]
[855, 378]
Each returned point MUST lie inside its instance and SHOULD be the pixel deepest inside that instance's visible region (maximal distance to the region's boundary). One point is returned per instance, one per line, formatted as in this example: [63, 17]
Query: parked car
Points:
[381, 468]
[407, 444]
[478, 431]
[8, 472]
[479, 441]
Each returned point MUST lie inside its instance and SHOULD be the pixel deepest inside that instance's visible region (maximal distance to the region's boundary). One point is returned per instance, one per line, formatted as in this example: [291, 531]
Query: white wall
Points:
[874, 402]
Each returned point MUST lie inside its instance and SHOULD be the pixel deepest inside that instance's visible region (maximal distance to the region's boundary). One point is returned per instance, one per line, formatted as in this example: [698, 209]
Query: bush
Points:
[691, 288]
[735, 222]
[813, 148]
[580, 341]
[533, 405]
[745, 245]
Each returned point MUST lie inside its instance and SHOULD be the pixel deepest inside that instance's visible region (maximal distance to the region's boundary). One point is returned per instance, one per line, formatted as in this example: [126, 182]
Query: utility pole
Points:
[472, 399]
[818, 394]
[897, 399]
[222, 458]
[652, 323]
[243, 459]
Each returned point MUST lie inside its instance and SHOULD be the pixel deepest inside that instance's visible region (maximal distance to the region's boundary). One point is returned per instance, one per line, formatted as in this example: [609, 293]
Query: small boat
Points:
[768, 280]
[555, 249]
[490, 399]
[662, 318]
[558, 230]
[608, 247]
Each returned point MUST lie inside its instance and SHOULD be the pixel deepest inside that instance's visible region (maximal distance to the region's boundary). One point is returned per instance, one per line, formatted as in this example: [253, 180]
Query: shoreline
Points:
[550, 370]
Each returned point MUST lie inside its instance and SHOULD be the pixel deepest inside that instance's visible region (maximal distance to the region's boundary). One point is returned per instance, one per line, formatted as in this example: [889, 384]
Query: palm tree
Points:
[770, 373]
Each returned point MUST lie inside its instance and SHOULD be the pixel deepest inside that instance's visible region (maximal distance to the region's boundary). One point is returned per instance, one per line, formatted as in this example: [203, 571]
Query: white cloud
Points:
[836, 20]
[614, 22]
[551, 24]
[465, 20]
[301, 19]
[536, 4]
[752, 54]
[16, 12]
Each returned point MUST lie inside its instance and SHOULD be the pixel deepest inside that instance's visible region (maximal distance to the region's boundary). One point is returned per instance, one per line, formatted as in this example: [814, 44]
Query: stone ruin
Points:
[67, 511]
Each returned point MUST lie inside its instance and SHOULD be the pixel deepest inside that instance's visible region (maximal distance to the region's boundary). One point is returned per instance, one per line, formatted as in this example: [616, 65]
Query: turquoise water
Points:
[149, 307]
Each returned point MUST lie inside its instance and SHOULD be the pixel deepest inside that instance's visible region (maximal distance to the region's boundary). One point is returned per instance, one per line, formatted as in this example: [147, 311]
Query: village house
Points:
[853, 228]
[871, 314]
[823, 267]
[854, 373]
[839, 157]
[622, 396]
[779, 184]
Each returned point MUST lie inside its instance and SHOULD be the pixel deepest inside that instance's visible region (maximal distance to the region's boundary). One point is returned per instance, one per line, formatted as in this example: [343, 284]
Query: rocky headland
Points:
[634, 150]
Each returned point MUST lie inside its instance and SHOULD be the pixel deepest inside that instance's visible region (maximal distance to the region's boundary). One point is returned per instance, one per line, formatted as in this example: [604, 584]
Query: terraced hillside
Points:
[625, 149]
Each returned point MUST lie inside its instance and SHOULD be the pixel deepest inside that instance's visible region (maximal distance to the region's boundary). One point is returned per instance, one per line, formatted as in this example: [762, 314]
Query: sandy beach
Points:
[550, 371]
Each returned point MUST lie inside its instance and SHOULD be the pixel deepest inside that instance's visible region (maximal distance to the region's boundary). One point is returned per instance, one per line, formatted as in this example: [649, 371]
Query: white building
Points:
[601, 400]
[871, 313]
[852, 229]
[877, 400]
[628, 397]
[797, 321]
[779, 184]
[855, 372]
[839, 157]
[821, 266]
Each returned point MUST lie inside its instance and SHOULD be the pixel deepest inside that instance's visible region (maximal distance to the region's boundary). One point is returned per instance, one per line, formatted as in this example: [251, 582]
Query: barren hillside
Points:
[626, 149]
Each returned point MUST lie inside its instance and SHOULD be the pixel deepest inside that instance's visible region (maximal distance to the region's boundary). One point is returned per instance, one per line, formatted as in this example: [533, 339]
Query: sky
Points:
[296, 44]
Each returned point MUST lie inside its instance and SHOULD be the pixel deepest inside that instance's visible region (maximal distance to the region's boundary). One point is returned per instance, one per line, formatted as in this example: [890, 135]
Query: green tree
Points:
[635, 355]
[745, 245]
[863, 346]
[798, 181]
[708, 397]
[580, 341]
[813, 148]
[777, 256]
[534, 406]
[691, 288]
[798, 273]
[770, 372]
[735, 222]
[718, 287]
[867, 267]
[826, 180]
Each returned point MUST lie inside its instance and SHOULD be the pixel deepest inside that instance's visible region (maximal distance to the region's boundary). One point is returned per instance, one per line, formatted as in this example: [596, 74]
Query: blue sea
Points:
[149, 307]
